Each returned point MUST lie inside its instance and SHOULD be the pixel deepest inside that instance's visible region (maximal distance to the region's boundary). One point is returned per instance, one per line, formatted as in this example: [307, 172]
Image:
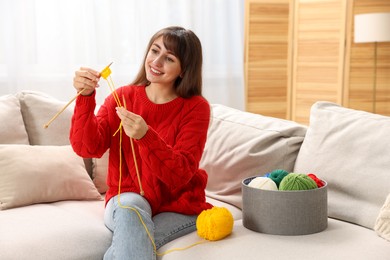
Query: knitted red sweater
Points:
[168, 155]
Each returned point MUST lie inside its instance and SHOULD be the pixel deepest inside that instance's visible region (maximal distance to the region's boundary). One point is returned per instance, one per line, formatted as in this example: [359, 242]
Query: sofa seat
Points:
[59, 230]
[75, 230]
[341, 240]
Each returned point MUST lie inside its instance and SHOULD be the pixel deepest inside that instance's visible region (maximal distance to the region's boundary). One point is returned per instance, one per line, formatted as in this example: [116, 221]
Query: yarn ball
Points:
[318, 181]
[267, 174]
[215, 223]
[278, 175]
[263, 183]
[297, 181]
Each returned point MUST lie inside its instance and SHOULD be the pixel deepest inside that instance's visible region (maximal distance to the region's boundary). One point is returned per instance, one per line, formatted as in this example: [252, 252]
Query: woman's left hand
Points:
[133, 124]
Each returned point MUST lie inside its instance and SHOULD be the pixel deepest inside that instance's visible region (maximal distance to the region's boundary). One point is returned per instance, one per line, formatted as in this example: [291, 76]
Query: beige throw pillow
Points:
[37, 109]
[241, 144]
[349, 149]
[382, 224]
[38, 174]
[12, 126]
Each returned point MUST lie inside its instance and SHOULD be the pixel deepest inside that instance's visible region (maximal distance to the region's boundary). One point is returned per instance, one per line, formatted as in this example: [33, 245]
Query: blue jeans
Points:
[130, 239]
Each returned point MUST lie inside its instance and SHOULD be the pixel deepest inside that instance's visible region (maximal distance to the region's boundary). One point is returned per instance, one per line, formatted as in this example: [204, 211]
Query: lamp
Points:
[372, 27]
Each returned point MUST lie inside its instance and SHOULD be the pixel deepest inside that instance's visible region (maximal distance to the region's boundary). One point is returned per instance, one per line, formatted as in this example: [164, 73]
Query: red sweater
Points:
[167, 156]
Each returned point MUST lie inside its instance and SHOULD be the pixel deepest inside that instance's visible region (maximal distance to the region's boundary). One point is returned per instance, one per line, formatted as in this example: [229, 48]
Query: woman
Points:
[167, 118]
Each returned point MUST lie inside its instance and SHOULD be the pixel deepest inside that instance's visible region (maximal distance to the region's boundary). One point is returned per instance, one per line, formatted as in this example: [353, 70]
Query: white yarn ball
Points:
[263, 183]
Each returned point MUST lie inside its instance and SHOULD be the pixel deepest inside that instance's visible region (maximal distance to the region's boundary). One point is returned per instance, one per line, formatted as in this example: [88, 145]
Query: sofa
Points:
[51, 200]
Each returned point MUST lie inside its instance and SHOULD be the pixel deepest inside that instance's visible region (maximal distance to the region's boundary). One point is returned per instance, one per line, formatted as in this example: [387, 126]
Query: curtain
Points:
[42, 42]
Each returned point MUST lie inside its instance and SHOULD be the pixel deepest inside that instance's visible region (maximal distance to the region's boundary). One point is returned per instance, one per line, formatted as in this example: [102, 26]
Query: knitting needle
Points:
[63, 109]
[135, 160]
[70, 102]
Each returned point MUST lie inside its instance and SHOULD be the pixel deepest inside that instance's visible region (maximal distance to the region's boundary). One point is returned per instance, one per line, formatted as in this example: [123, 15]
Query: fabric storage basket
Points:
[276, 212]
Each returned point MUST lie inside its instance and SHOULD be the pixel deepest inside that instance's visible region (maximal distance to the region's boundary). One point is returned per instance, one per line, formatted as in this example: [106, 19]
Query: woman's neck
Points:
[160, 95]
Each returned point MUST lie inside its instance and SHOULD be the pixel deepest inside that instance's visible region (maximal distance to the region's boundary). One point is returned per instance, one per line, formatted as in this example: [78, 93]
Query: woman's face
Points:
[161, 66]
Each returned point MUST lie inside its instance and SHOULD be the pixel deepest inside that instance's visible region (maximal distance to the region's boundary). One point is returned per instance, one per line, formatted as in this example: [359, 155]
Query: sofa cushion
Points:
[64, 230]
[12, 127]
[99, 172]
[36, 174]
[348, 149]
[382, 224]
[37, 109]
[341, 240]
[241, 144]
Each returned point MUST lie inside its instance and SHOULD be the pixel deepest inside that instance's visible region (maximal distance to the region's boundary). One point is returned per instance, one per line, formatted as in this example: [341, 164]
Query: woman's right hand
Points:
[86, 78]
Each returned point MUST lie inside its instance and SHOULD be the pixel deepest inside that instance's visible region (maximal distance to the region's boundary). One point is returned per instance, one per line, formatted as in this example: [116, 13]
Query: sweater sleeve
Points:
[89, 134]
[176, 165]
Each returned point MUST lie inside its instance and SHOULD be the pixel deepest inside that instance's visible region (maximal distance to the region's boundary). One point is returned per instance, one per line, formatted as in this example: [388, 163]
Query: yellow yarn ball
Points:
[215, 223]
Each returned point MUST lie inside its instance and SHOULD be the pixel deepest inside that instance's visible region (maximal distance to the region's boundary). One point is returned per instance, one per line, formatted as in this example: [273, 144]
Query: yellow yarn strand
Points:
[120, 184]
[113, 91]
[120, 130]
[106, 75]
[181, 248]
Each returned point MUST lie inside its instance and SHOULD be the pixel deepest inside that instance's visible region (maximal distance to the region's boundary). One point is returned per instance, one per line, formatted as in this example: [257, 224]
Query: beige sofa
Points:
[51, 205]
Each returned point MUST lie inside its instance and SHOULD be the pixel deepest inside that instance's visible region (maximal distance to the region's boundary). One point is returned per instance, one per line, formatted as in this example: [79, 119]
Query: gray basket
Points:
[284, 212]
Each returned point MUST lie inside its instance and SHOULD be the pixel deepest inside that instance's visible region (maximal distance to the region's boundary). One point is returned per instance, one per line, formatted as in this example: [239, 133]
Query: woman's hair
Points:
[186, 46]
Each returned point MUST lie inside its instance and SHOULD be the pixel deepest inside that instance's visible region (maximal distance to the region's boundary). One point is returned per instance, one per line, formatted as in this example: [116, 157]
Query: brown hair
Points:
[186, 46]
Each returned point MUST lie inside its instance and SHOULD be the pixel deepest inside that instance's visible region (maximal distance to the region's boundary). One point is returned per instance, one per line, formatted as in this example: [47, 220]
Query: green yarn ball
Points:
[278, 175]
[297, 181]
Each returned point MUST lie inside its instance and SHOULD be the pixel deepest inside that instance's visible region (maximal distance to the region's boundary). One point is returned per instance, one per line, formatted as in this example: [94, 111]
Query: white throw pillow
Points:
[241, 145]
[382, 224]
[38, 174]
[12, 126]
[349, 149]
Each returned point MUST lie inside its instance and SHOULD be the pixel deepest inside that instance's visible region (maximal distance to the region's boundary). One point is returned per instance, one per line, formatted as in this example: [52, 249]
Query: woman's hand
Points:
[86, 78]
[133, 124]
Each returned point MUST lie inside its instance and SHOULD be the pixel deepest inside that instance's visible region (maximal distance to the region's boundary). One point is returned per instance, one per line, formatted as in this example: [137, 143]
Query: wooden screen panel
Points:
[267, 57]
[360, 79]
[319, 35]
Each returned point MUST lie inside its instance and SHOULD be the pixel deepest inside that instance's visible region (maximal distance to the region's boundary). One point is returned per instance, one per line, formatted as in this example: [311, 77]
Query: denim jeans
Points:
[130, 239]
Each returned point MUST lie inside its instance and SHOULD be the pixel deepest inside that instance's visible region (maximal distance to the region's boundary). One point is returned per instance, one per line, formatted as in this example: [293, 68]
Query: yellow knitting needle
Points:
[135, 158]
[105, 73]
